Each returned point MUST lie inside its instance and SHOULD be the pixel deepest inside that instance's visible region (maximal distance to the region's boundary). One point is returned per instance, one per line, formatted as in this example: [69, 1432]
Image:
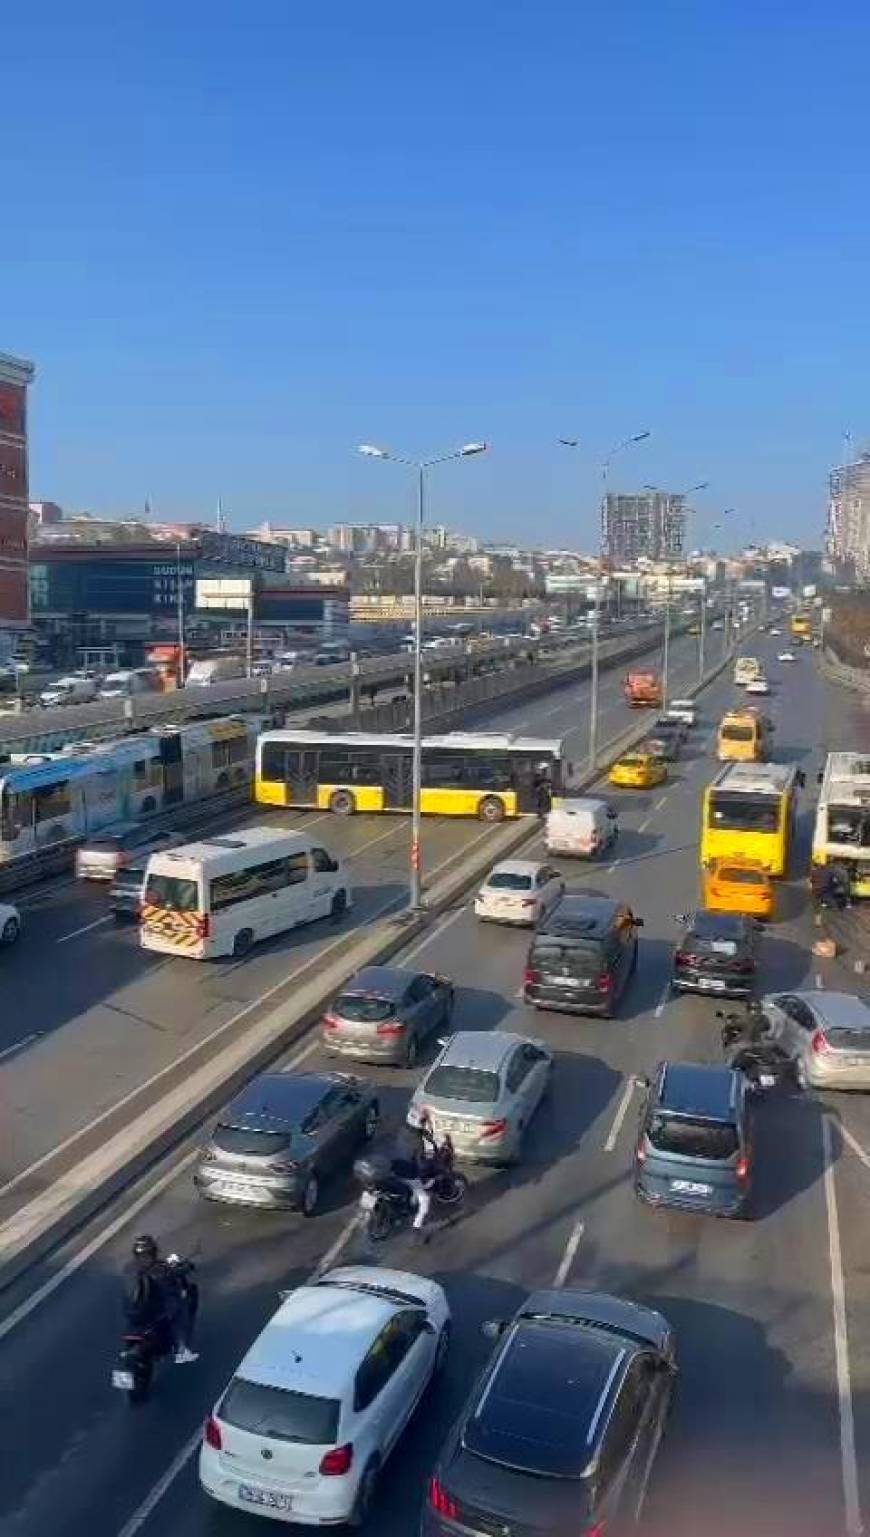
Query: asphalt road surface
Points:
[771, 1428]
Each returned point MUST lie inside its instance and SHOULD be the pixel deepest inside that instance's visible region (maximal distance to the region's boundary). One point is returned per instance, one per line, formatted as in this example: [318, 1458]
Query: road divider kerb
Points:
[208, 1075]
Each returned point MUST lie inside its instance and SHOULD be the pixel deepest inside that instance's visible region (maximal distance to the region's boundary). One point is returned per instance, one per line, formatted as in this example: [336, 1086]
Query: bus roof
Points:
[225, 849]
[846, 778]
[500, 741]
[755, 778]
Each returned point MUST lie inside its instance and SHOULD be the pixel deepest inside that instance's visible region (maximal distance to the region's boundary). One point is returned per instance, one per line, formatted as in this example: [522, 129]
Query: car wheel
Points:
[370, 1124]
[342, 803]
[491, 809]
[242, 943]
[411, 1049]
[310, 1196]
[442, 1350]
[365, 1495]
[339, 906]
[11, 930]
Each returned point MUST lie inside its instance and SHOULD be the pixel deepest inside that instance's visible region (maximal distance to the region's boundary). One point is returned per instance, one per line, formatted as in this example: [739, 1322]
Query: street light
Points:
[372, 451]
[636, 437]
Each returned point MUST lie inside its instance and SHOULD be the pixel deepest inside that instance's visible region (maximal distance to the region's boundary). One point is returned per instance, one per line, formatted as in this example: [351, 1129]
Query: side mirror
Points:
[493, 1328]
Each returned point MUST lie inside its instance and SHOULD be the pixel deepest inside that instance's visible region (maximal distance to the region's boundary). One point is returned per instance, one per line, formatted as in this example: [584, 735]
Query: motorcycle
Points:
[750, 1049]
[142, 1349]
[387, 1200]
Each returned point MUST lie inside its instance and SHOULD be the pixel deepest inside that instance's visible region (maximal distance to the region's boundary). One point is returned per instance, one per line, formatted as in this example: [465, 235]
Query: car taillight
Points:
[493, 1128]
[391, 1027]
[203, 926]
[604, 984]
[442, 1501]
[819, 1044]
[531, 977]
[212, 1434]
[641, 1152]
[741, 1168]
[329, 1022]
[333, 1464]
[599, 1530]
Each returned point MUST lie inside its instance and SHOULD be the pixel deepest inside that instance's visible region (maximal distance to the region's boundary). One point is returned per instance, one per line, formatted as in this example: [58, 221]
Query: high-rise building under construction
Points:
[650, 524]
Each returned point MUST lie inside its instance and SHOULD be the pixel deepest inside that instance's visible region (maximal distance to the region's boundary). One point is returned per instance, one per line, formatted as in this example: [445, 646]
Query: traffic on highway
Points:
[505, 1242]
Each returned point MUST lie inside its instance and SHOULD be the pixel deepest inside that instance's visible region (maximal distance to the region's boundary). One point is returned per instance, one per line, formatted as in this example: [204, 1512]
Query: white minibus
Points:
[218, 896]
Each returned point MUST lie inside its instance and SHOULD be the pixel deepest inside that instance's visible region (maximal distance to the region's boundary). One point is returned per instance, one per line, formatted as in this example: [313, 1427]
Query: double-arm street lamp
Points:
[420, 466]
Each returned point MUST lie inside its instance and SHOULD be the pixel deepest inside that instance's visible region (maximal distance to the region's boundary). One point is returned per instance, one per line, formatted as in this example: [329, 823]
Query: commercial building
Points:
[649, 524]
[15, 376]
[848, 536]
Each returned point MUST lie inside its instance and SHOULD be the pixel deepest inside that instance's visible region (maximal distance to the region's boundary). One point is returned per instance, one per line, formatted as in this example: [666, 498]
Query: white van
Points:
[220, 895]
[71, 690]
[215, 669]
[583, 827]
[130, 681]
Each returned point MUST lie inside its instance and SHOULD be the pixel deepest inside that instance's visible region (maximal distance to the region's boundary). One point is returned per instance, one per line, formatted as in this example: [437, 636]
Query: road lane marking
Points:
[621, 1113]
[642, 826]
[856, 1147]
[143, 1512]
[659, 803]
[26, 1040]
[444, 923]
[848, 1459]
[65, 938]
[660, 1006]
[570, 1254]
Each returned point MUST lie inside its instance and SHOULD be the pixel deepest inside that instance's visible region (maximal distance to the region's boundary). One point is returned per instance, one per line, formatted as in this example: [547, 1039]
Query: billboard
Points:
[780, 593]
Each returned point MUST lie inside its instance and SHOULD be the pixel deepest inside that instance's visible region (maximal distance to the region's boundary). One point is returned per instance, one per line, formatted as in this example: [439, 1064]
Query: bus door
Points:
[398, 780]
[173, 770]
[525, 776]
[302, 775]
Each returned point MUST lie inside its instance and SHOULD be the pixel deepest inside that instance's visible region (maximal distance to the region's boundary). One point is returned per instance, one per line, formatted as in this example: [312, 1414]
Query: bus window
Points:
[52, 801]
[277, 765]
[172, 892]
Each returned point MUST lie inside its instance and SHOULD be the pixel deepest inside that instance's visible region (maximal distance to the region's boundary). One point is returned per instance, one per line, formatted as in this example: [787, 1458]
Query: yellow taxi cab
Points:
[734, 885]
[638, 771]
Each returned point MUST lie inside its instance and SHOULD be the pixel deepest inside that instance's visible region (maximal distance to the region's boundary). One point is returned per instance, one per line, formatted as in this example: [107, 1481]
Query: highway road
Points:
[771, 1429]
[95, 1015]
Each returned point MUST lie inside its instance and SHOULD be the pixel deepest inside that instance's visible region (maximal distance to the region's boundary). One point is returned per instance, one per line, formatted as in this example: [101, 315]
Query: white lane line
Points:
[856, 1147]
[614, 866]
[660, 803]
[621, 1113]
[663, 1001]
[65, 938]
[569, 1256]
[642, 826]
[427, 939]
[143, 1512]
[26, 1040]
[848, 1459]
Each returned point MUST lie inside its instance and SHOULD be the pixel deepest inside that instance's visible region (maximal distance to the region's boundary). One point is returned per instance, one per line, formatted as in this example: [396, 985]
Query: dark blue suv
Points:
[694, 1148]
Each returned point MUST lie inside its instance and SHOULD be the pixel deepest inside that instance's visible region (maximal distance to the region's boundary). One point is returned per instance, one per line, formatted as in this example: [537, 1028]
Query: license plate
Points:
[122, 1380]
[368, 1200]
[711, 984]
[574, 982]
[266, 1497]
[690, 1187]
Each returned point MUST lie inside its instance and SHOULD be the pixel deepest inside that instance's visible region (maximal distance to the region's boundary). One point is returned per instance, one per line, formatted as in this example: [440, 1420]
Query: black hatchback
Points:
[582, 955]
[561, 1431]
[718, 954]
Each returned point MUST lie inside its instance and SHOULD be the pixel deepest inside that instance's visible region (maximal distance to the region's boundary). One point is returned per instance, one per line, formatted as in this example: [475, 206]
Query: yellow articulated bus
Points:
[743, 736]
[749, 813]
[486, 775]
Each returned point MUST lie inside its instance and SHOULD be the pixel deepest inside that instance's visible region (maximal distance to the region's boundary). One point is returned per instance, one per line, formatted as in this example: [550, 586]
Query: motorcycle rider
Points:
[154, 1297]
[416, 1163]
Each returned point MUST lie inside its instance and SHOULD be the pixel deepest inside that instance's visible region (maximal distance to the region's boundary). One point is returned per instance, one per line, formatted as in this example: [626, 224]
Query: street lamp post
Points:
[420, 466]
[702, 638]
[181, 666]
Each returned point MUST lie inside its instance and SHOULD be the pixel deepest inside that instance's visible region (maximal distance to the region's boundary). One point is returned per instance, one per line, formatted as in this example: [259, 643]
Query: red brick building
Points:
[15, 376]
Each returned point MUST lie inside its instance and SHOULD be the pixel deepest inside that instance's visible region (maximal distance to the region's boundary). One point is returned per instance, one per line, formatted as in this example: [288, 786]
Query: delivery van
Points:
[583, 827]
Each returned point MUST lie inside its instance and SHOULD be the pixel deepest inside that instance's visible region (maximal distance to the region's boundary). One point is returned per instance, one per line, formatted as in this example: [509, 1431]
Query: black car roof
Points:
[544, 1404]
[699, 1089]
[285, 1098]
[386, 981]
[576, 913]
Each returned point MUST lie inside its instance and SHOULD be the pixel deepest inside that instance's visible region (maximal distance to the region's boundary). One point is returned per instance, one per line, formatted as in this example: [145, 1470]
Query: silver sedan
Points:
[482, 1090]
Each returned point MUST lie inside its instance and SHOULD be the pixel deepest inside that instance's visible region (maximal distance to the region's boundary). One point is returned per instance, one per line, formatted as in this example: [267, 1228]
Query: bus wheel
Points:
[491, 809]
[242, 943]
[342, 803]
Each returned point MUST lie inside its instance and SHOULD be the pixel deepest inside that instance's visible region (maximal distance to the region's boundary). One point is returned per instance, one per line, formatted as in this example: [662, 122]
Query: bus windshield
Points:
[744, 813]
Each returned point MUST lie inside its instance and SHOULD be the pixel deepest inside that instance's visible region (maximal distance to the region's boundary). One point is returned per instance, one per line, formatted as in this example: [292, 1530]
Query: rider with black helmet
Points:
[153, 1296]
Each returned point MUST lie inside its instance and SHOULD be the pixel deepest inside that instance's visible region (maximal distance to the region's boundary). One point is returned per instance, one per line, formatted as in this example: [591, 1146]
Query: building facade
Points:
[848, 534]
[648, 525]
[15, 376]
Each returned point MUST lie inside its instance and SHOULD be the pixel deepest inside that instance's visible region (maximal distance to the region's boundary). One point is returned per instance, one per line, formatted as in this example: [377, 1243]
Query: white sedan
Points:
[786, 656]
[306, 1423]
[518, 891]
[758, 686]
[10, 923]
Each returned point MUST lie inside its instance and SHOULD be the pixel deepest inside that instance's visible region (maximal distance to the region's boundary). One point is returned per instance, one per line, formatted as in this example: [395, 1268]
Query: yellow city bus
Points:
[801, 626]
[480, 774]
[749, 812]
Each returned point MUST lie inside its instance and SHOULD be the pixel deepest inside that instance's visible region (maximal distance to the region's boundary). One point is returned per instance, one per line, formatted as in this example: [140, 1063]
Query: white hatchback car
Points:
[685, 710]
[786, 656]
[518, 891]
[305, 1426]
[758, 686]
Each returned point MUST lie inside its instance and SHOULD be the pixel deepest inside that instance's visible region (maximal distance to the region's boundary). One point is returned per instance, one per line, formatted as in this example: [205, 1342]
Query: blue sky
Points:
[241, 238]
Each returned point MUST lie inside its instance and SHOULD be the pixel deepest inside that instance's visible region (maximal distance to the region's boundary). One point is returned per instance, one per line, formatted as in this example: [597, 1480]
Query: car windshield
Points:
[743, 813]
[738, 875]
[279, 1415]
[509, 880]
[472, 1084]
[172, 892]
[364, 1008]
[715, 1140]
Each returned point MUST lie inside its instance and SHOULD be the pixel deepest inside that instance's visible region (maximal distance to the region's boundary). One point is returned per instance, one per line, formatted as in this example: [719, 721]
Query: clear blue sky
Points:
[239, 238]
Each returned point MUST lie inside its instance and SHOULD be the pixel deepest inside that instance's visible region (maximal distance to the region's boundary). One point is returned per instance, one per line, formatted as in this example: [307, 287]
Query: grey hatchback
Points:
[693, 1148]
[283, 1135]
[385, 1013]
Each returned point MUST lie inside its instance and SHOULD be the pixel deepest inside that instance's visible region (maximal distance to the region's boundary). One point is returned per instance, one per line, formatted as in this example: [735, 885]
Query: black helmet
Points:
[145, 1247]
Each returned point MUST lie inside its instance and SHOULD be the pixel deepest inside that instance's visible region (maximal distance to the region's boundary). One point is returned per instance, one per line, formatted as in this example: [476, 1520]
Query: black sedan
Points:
[285, 1134]
[717, 954]
[561, 1431]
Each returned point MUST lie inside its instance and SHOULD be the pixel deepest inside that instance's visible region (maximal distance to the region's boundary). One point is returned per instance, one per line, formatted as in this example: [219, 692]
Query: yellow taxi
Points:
[638, 771]
[734, 885]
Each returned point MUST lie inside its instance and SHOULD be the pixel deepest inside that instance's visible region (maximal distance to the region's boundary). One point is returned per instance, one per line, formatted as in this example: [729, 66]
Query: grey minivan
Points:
[693, 1148]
